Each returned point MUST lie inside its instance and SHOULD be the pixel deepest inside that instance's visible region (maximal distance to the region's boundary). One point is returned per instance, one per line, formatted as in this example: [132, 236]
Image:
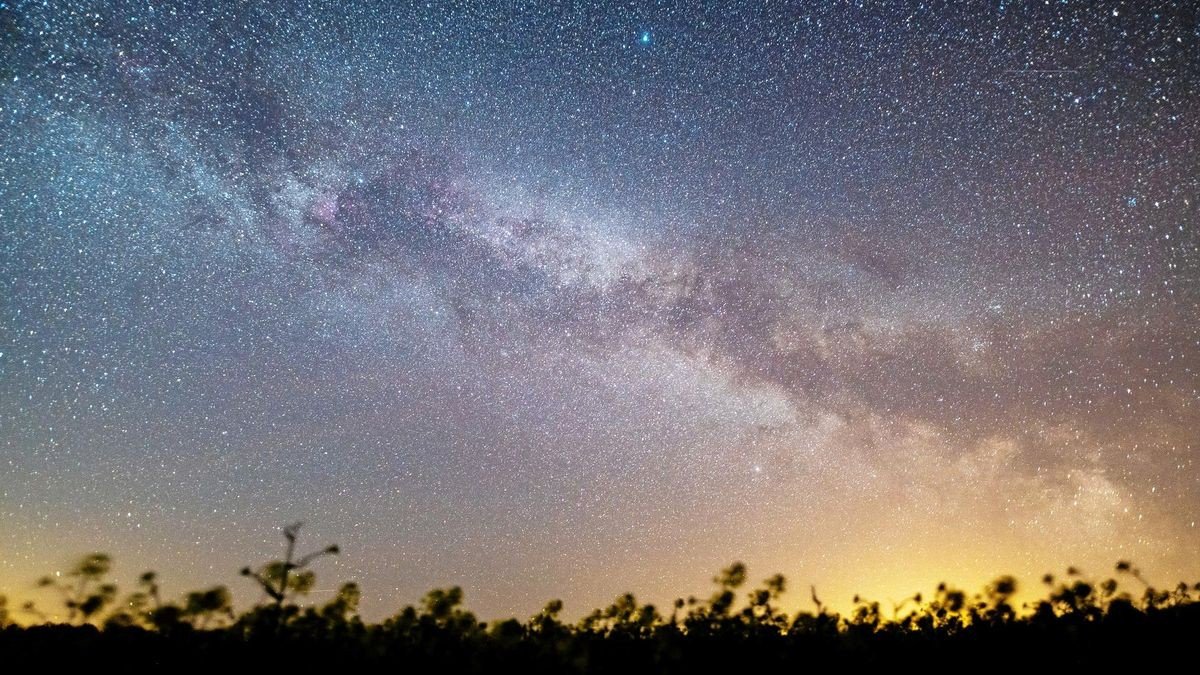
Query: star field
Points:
[570, 299]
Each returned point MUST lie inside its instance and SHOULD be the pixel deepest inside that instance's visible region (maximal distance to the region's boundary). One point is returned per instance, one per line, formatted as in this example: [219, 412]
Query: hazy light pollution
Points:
[568, 300]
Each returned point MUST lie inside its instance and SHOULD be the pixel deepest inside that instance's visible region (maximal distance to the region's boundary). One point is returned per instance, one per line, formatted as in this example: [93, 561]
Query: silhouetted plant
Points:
[344, 604]
[140, 606]
[1074, 623]
[283, 579]
[84, 591]
[443, 605]
[623, 616]
[201, 607]
[997, 609]
[866, 616]
[546, 621]
[760, 611]
[727, 581]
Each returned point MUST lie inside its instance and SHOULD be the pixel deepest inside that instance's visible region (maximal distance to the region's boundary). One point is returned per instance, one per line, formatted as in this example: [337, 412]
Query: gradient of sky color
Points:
[570, 299]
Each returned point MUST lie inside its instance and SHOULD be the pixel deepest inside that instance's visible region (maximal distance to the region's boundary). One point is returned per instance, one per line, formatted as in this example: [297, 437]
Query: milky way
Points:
[580, 299]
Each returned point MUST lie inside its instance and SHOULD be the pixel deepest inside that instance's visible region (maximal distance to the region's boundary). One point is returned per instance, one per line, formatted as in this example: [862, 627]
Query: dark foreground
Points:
[1120, 638]
[1080, 623]
[1078, 626]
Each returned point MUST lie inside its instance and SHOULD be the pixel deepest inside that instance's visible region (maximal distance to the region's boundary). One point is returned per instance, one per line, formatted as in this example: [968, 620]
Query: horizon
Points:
[798, 597]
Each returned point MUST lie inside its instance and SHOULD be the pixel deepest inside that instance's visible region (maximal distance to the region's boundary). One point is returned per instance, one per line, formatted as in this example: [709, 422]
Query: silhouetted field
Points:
[1079, 623]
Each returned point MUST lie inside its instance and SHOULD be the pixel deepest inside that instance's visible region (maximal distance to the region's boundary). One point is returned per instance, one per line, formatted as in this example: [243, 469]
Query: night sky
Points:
[578, 299]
